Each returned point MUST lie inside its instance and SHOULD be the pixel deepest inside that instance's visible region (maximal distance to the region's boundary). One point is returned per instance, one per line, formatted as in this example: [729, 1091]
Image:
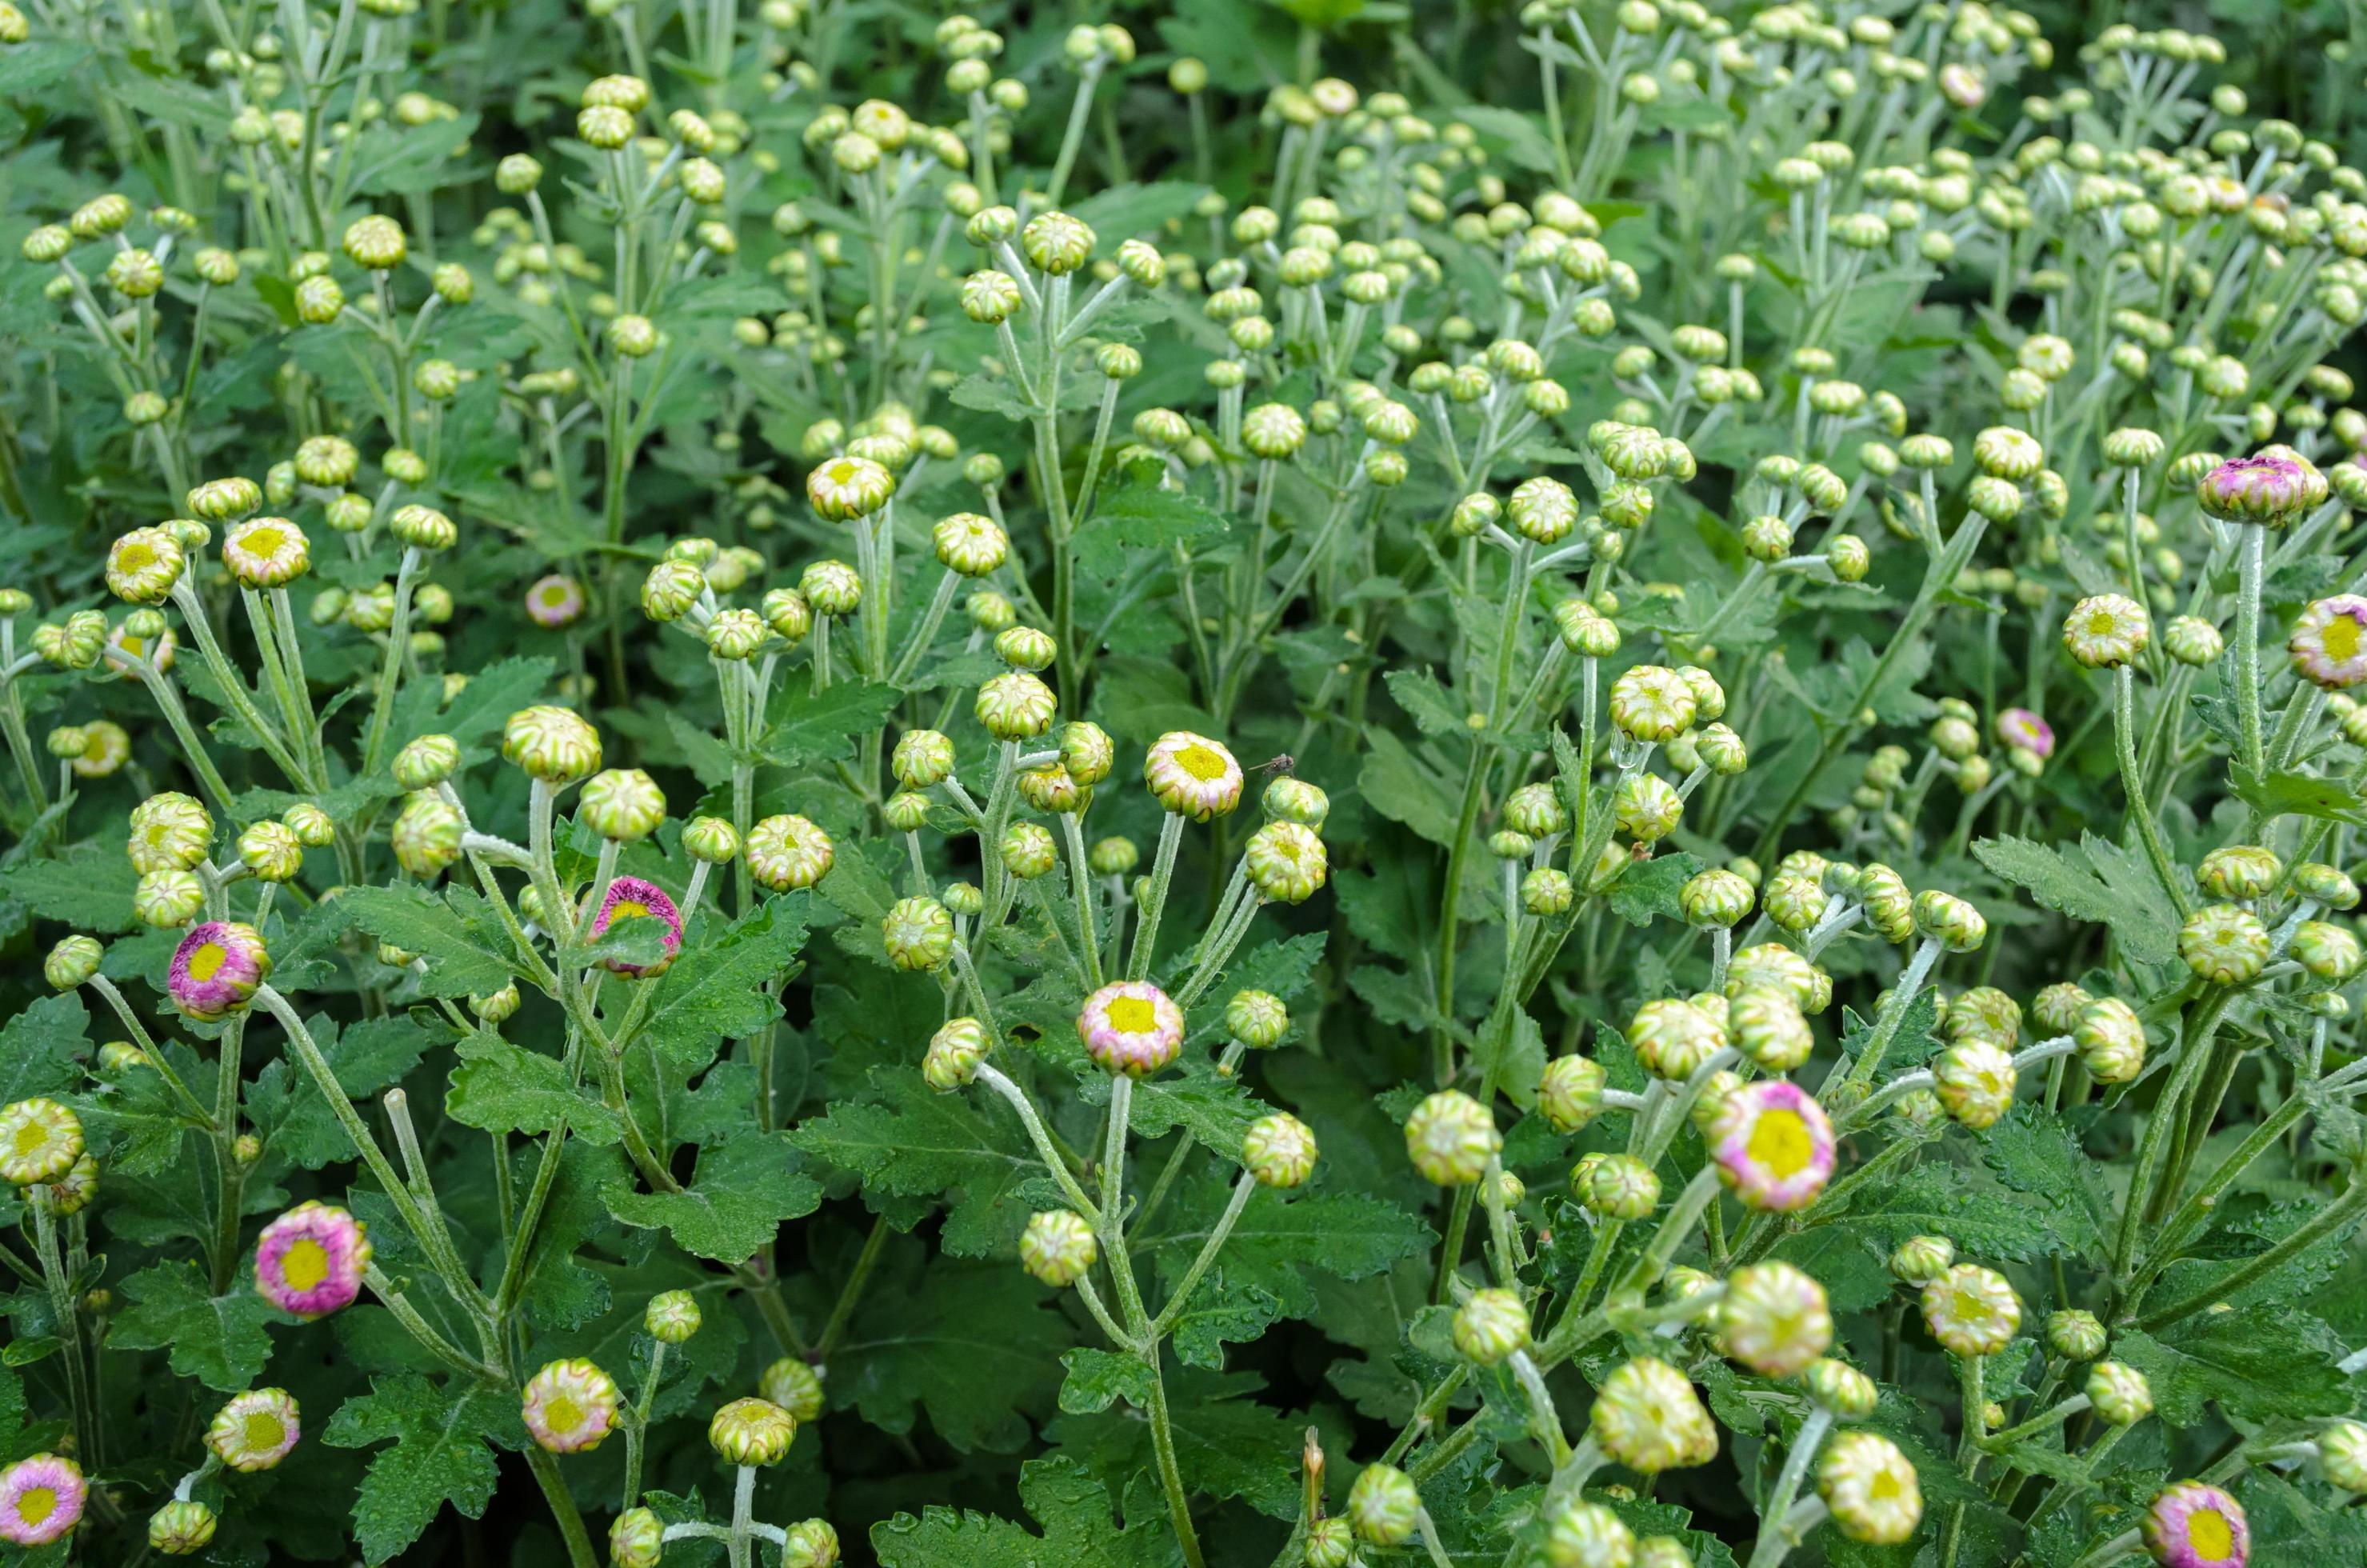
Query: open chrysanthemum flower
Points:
[39, 1141]
[1131, 1028]
[570, 1406]
[2192, 1524]
[2330, 644]
[1193, 776]
[310, 1261]
[42, 1498]
[555, 601]
[217, 968]
[630, 898]
[256, 1430]
[1774, 1146]
[2025, 731]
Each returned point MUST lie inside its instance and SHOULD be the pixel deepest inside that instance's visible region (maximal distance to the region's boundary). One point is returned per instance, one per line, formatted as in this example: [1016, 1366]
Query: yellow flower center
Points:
[36, 1504]
[32, 1138]
[207, 962]
[1202, 763]
[628, 909]
[94, 746]
[2208, 1532]
[563, 1414]
[1781, 1141]
[1884, 1487]
[136, 557]
[305, 1264]
[264, 541]
[263, 1432]
[2342, 639]
[555, 597]
[2101, 624]
[1133, 1015]
[1970, 1308]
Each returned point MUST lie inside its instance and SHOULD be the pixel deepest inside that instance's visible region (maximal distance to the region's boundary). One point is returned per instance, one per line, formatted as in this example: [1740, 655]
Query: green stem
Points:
[2124, 736]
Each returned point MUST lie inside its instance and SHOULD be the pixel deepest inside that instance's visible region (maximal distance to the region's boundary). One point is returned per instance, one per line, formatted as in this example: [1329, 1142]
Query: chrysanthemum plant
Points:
[696, 857]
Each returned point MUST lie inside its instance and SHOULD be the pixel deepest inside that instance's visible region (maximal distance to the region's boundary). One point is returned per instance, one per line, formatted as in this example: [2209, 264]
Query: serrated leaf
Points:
[287, 1108]
[456, 935]
[1934, 1199]
[1136, 519]
[41, 1047]
[1648, 891]
[502, 1088]
[1073, 1506]
[2262, 1362]
[88, 887]
[1403, 788]
[439, 1455]
[746, 1187]
[806, 727]
[977, 1346]
[1426, 703]
[719, 987]
[218, 1340]
[2140, 916]
[1099, 1378]
[2033, 1152]
[910, 1142]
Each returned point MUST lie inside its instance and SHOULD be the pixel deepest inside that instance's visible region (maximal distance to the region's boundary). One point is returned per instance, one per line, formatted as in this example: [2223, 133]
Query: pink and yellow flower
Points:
[1131, 1028]
[310, 1261]
[2329, 642]
[40, 1499]
[216, 968]
[2025, 731]
[570, 1406]
[630, 898]
[2194, 1526]
[1774, 1146]
[555, 601]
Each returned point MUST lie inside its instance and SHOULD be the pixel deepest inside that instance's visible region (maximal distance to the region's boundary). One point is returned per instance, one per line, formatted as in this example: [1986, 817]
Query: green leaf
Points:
[1123, 211]
[1099, 1378]
[2262, 1362]
[439, 1455]
[89, 887]
[744, 1187]
[1427, 703]
[1138, 519]
[1404, 788]
[1934, 1199]
[1073, 1508]
[218, 1340]
[41, 1048]
[975, 1344]
[2298, 794]
[1646, 891]
[804, 727]
[502, 1088]
[458, 936]
[25, 68]
[2033, 1152]
[719, 987]
[1261, 1274]
[1227, 1444]
[2138, 913]
[908, 1141]
[287, 1108]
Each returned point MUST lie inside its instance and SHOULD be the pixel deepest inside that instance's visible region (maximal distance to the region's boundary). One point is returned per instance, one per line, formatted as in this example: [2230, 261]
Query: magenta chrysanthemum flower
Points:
[1131, 1028]
[2265, 489]
[1774, 1146]
[555, 601]
[309, 1260]
[629, 898]
[2194, 1526]
[570, 1406]
[216, 968]
[2025, 731]
[40, 1499]
[2330, 644]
